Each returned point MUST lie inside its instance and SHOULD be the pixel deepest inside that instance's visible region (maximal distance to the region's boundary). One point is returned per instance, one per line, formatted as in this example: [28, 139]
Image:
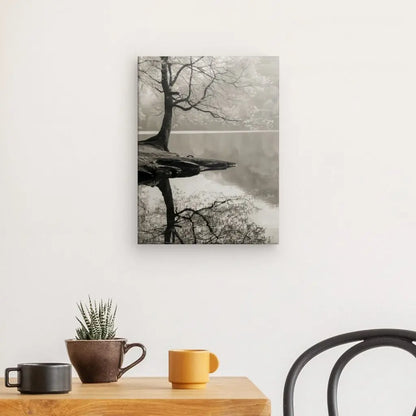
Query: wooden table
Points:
[148, 396]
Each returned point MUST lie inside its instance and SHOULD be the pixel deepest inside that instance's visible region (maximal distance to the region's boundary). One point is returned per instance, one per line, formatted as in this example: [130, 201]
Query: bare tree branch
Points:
[215, 115]
[182, 68]
[150, 76]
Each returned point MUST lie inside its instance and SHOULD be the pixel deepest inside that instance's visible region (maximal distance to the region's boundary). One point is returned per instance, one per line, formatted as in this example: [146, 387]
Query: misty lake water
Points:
[256, 173]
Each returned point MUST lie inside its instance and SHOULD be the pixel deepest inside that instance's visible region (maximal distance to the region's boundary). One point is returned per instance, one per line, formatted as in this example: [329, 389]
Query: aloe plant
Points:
[97, 320]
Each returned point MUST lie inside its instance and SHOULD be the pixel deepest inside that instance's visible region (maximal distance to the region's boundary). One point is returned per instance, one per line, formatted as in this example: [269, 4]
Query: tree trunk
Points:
[161, 140]
[164, 186]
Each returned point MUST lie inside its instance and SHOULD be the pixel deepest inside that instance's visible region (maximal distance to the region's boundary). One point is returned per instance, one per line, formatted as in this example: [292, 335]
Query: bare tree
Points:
[192, 83]
[199, 84]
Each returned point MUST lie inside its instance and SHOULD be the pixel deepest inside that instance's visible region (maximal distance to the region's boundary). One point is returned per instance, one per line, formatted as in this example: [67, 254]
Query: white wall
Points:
[68, 190]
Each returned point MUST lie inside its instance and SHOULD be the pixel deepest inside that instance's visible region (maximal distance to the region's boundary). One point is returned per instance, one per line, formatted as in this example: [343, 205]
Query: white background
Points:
[347, 257]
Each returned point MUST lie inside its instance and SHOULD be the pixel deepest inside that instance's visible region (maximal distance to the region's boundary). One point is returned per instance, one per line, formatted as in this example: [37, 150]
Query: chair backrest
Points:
[367, 340]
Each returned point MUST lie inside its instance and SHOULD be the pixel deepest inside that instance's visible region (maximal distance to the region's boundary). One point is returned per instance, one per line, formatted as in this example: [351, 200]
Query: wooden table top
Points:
[149, 396]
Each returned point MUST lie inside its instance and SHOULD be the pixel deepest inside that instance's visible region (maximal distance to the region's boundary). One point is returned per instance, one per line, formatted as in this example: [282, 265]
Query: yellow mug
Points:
[190, 369]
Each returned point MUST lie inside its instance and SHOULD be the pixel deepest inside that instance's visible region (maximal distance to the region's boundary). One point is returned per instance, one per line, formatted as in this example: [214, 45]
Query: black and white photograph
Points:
[208, 150]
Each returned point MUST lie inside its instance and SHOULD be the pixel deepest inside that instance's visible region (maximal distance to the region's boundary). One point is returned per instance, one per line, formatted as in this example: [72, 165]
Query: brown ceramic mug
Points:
[100, 361]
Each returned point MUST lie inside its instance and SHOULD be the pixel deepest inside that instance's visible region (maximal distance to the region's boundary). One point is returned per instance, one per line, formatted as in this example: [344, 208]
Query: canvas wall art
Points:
[208, 150]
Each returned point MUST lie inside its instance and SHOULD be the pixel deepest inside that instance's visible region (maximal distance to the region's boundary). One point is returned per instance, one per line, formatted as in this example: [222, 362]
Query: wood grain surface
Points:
[148, 396]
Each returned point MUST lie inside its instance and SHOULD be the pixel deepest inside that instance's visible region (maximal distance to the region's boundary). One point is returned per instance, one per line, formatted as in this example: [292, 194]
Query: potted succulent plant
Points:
[96, 353]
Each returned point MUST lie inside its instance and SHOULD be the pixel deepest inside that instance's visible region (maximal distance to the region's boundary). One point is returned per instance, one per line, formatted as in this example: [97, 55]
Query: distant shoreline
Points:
[210, 131]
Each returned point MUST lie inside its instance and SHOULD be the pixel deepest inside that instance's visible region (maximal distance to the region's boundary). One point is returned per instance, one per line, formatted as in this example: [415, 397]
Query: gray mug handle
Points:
[7, 379]
[140, 359]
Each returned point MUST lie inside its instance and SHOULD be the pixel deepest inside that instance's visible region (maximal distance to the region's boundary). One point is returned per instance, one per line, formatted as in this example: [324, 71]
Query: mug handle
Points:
[140, 359]
[213, 362]
[7, 375]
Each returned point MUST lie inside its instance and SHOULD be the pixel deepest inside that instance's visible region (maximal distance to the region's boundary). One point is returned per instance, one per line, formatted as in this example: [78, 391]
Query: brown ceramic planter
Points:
[100, 361]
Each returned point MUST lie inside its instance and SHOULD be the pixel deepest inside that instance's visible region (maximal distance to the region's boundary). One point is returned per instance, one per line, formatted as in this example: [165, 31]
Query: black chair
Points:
[367, 340]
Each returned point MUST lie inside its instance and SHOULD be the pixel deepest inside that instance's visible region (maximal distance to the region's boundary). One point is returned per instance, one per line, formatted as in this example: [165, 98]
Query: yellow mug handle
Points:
[213, 362]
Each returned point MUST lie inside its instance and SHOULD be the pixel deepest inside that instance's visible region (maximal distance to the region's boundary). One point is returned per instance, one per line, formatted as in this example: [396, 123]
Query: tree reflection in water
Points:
[201, 218]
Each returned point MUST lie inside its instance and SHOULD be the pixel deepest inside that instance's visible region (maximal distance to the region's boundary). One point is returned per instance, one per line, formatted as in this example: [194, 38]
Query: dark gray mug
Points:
[41, 378]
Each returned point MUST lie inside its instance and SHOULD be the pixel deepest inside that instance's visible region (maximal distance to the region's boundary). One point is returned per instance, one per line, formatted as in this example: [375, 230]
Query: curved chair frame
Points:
[373, 338]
